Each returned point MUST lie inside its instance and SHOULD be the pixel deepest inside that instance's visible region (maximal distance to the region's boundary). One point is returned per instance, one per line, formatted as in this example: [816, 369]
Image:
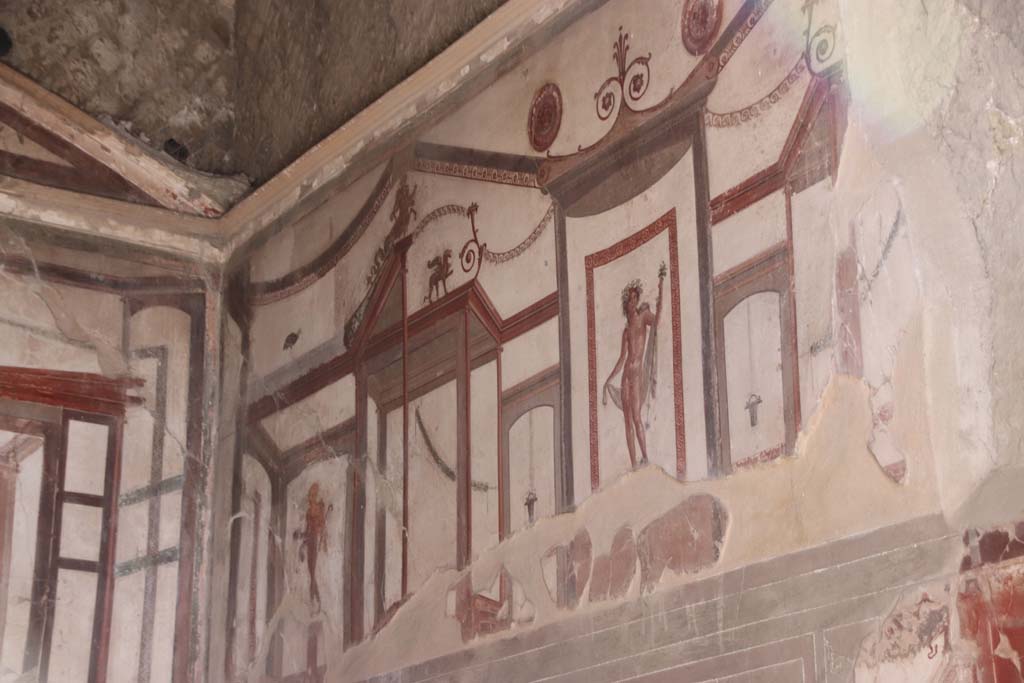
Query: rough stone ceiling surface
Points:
[245, 85]
[159, 68]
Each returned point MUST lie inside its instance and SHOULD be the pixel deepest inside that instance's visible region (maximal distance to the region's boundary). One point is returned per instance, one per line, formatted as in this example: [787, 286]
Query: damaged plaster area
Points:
[158, 70]
[829, 489]
[965, 627]
[60, 322]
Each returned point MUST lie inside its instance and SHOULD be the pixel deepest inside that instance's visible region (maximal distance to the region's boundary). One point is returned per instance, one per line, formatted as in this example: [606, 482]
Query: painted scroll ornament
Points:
[629, 85]
[822, 38]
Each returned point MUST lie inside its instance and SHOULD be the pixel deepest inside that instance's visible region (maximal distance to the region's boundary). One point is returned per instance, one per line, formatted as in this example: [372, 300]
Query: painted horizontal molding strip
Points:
[165, 556]
[146, 492]
[467, 66]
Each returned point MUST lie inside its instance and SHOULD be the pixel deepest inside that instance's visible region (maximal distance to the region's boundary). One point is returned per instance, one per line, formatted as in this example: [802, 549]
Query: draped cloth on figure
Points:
[649, 378]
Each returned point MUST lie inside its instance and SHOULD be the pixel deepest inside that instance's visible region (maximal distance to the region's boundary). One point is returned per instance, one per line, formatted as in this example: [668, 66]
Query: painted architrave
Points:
[665, 224]
[479, 165]
[77, 390]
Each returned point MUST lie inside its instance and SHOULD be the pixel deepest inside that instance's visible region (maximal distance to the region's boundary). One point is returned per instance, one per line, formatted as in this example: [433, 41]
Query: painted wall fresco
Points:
[595, 337]
[99, 408]
[601, 264]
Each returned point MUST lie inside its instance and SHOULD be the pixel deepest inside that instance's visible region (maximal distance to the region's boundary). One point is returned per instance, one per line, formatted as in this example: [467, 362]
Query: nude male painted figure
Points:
[313, 538]
[638, 363]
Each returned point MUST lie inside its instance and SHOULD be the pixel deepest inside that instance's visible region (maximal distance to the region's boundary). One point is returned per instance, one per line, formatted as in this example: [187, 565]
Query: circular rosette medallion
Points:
[545, 117]
[701, 21]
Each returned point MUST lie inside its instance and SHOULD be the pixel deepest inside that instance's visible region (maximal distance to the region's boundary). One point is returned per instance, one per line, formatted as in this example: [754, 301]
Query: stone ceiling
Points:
[244, 86]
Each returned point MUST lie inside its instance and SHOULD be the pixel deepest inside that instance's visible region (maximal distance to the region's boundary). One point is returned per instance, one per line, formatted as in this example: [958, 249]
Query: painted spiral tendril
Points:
[822, 44]
[469, 255]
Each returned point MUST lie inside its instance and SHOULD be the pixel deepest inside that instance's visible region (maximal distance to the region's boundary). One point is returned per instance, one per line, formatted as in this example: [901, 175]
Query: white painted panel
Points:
[748, 233]
[483, 417]
[71, 645]
[80, 529]
[87, 457]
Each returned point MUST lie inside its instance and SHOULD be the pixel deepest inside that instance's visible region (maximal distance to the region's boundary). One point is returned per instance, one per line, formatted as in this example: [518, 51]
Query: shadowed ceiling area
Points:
[204, 80]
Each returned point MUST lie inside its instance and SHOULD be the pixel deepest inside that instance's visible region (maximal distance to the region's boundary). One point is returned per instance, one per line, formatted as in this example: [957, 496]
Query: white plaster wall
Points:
[483, 464]
[303, 240]
[316, 413]
[529, 354]
[814, 283]
[71, 644]
[750, 232]
[59, 328]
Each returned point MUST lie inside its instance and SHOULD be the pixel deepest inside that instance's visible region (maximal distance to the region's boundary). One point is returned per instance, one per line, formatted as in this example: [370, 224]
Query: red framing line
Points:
[792, 322]
[602, 258]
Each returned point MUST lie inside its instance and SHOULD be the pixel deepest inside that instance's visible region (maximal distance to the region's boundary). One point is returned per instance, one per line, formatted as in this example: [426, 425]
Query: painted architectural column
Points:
[356, 546]
[464, 532]
[278, 532]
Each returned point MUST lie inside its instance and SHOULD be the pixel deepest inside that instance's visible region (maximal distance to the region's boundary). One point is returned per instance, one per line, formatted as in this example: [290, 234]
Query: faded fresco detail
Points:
[637, 362]
[524, 334]
[313, 538]
[640, 362]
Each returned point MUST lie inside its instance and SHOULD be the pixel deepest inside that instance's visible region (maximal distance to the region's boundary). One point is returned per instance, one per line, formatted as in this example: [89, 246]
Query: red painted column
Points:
[463, 475]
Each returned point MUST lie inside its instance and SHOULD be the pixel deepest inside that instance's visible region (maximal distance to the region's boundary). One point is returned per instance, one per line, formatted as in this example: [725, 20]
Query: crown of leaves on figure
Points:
[634, 284]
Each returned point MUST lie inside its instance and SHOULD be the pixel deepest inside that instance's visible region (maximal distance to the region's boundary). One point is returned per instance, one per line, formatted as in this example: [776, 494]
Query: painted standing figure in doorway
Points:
[638, 360]
[313, 538]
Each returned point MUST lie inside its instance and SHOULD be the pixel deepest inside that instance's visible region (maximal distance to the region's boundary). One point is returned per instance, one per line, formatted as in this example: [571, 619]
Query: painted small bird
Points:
[291, 339]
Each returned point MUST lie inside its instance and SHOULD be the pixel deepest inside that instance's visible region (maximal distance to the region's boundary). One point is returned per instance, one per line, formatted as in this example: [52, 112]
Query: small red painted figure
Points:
[638, 363]
[313, 538]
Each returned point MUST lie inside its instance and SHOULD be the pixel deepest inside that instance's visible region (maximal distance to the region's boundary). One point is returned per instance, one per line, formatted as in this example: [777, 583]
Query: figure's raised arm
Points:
[661, 285]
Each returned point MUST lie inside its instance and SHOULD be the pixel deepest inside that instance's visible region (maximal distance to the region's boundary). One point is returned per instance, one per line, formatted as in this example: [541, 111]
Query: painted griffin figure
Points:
[440, 270]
